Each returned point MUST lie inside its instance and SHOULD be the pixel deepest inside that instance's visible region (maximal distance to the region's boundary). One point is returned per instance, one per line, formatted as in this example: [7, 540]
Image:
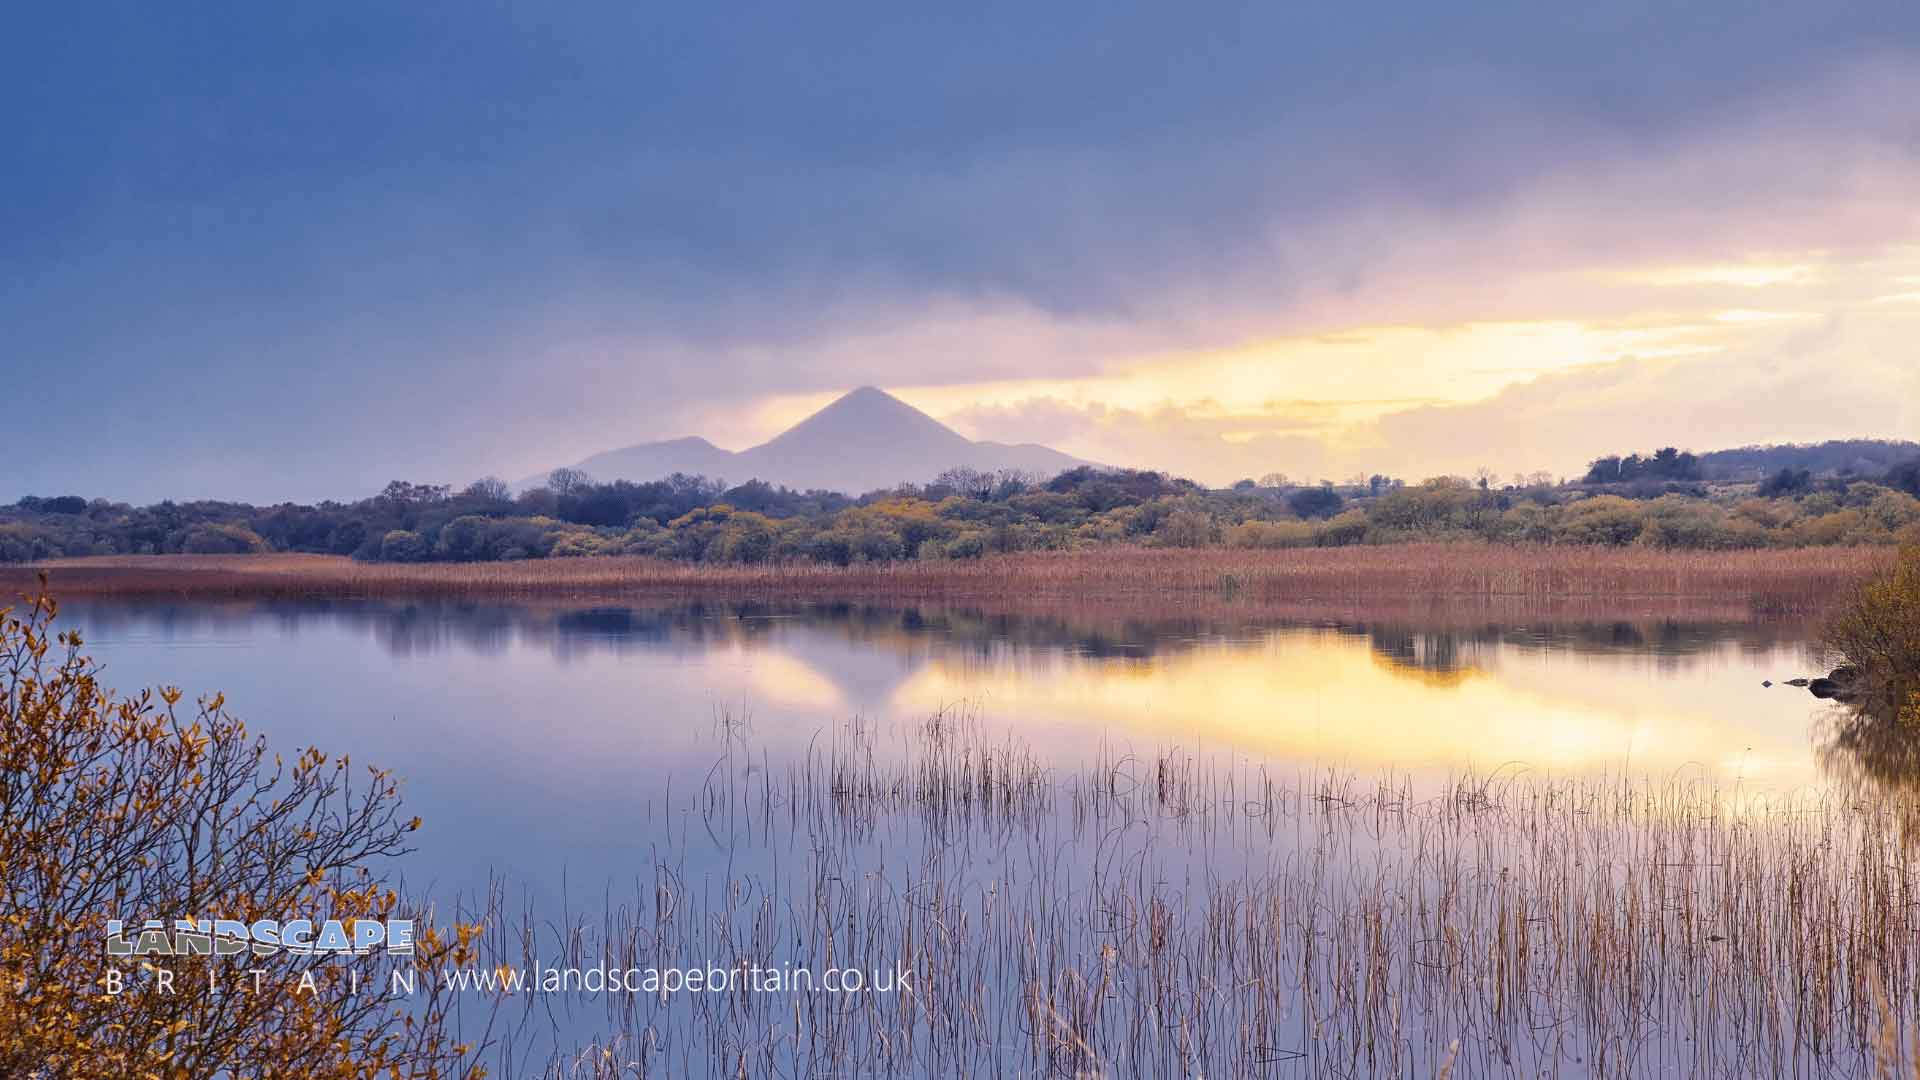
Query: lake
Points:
[750, 759]
[533, 740]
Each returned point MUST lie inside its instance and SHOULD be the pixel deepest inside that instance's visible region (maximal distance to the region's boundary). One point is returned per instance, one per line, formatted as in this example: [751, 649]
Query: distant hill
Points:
[866, 439]
[693, 455]
[1860, 457]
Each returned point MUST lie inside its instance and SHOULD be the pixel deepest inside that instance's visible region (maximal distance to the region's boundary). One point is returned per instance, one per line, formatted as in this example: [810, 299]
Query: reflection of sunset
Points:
[1336, 699]
[780, 679]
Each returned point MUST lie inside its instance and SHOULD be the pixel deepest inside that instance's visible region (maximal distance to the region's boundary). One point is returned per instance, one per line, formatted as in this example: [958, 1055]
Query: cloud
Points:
[1836, 379]
[1196, 440]
[1846, 376]
[307, 255]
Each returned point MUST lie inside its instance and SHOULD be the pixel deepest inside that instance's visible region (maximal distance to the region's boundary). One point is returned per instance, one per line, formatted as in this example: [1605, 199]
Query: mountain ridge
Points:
[864, 440]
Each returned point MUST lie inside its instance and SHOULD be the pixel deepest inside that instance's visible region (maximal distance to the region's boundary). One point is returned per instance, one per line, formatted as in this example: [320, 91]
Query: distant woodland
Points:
[1848, 493]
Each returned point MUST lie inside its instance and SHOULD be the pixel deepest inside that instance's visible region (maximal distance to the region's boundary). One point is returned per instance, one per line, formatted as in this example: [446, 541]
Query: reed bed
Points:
[1795, 580]
[1175, 914]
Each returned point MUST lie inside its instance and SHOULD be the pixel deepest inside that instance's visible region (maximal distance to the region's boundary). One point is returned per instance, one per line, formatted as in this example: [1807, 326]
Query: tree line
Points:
[966, 513]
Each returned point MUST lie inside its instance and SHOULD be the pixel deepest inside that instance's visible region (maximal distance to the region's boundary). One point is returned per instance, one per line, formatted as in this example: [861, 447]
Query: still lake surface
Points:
[543, 744]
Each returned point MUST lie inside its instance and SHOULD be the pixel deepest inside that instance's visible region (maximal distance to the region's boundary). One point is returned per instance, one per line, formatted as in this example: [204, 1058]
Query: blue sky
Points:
[293, 251]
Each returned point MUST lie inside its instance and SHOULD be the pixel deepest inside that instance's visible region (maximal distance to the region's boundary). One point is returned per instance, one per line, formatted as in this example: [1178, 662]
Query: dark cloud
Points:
[258, 250]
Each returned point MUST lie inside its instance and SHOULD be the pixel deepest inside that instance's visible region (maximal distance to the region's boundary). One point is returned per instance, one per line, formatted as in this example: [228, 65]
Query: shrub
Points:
[574, 543]
[747, 538]
[1184, 529]
[120, 808]
[1839, 526]
[400, 545]
[1348, 528]
[1270, 534]
[464, 539]
[967, 545]
[1894, 510]
[24, 543]
[223, 540]
[1877, 630]
[1602, 519]
[1525, 524]
[1674, 522]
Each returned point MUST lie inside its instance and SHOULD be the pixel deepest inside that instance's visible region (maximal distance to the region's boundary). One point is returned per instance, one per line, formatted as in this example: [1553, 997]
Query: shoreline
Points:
[1498, 579]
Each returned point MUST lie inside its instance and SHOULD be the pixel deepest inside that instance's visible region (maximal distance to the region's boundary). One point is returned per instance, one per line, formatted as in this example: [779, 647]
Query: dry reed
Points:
[1173, 915]
[1788, 581]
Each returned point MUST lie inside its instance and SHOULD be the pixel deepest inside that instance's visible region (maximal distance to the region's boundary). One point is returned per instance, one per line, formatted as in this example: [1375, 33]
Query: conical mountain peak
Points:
[866, 420]
[865, 439]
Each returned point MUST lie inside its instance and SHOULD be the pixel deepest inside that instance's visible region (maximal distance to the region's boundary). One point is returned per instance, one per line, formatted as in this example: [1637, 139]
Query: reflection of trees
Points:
[1443, 653]
[1869, 743]
[423, 627]
[1437, 659]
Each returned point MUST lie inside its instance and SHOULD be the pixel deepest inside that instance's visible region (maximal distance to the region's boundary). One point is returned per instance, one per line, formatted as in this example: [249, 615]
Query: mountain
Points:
[866, 439]
[693, 455]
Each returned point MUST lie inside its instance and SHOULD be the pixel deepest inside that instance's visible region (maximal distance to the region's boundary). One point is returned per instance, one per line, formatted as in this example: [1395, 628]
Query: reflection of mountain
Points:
[954, 634]
[1389, 692]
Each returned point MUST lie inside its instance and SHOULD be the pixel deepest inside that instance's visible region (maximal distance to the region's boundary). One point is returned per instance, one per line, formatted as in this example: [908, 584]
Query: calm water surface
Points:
[541, 744]
[626, 778]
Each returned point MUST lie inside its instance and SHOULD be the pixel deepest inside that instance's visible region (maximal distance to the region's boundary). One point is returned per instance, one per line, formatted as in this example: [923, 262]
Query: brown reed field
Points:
[1170, 914]
[1767, 581]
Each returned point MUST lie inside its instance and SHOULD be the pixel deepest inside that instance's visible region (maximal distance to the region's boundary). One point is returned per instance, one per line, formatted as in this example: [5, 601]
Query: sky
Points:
[293, 251]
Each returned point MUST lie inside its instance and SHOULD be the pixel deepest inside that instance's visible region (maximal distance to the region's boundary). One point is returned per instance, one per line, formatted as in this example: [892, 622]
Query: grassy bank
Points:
[1783, 581]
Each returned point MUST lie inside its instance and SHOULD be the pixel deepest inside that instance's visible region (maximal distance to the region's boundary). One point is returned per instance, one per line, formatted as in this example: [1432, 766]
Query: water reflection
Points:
[585, 753]
[1868, 743]
[582, 713]
[412, 628]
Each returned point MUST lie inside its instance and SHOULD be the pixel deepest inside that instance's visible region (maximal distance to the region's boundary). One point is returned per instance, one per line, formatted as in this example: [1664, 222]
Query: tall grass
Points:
[1170, 913]
[1784, 580]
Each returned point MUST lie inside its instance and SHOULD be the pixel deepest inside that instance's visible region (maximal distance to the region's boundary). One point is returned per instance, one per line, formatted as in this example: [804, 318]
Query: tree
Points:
[607, 504]
[967, 482]
[1010, 482]
[403, 495]
[1316, 502]
[566, 481]
[121, 808]
[58, 504]
[1905, 477]
[1788, 481]
[1666, 463]
[1274, 480]
[489, 489]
